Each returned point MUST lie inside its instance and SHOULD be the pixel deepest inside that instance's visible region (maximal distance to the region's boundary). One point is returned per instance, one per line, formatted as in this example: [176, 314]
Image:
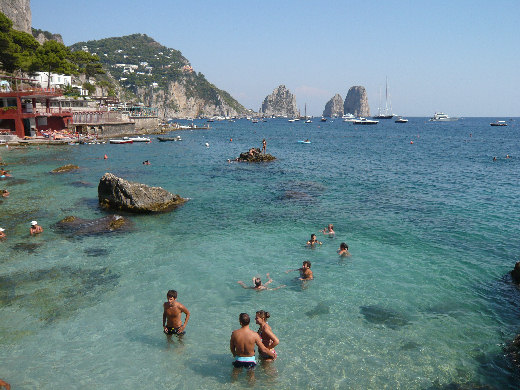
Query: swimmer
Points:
[4, 193]
[343, 250]
[266, 334]
[146, 162]
[329, 230]
[35, 228]
[305, 271]
[2, 234]
[242, 346]
[494, 158]
[172, 322]
[257, 284]
[313, 241]
[508, 156]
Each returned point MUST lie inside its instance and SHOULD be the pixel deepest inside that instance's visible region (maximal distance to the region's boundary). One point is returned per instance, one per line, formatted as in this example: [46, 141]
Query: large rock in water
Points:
[515, 273]
[119, 194]
[254, 155]
[356, 102]
[80, 227]
[334, 107]
[280, 103]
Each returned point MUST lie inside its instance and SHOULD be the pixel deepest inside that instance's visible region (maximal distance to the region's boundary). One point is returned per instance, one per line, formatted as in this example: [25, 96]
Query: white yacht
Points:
[348, 117]
[442, 117]
[364, 121]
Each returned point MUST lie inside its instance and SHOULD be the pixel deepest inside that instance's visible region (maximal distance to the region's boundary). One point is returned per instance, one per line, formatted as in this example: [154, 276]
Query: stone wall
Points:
[145, 124]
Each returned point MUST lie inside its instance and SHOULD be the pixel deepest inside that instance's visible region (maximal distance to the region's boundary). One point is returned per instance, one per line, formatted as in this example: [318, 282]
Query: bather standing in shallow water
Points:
[266, 334]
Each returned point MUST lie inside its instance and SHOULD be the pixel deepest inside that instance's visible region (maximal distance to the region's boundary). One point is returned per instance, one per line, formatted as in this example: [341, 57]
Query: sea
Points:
[424, 302]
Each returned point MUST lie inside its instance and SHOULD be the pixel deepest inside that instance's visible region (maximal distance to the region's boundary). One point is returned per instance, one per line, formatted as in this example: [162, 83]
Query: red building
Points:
[26, 110]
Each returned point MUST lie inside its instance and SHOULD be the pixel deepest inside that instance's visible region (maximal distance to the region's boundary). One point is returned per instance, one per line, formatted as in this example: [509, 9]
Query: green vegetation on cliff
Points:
[137, 61]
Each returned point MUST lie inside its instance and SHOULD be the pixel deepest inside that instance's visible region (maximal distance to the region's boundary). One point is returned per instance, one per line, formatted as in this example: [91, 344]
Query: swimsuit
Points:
[172, 330]
[245, 361]
[263, 342]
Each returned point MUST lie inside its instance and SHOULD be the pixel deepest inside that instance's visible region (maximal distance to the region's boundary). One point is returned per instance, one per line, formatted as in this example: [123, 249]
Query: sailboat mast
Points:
[386, 97]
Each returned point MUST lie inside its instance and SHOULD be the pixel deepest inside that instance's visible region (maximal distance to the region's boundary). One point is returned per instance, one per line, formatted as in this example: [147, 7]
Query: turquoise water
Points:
[424, 301]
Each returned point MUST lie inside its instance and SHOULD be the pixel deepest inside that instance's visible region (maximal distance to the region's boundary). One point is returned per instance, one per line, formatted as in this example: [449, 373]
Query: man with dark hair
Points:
[172, 321]
[305, 271]
[242, 344]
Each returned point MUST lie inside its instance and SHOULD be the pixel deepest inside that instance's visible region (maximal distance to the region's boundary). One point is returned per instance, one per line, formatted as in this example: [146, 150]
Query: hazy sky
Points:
[458, 56]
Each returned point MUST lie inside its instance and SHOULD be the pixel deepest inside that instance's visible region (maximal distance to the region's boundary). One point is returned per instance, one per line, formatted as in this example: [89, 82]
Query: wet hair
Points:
[171, 294]
[244, 319]
[331, 226]
[343, 245]
[258, 282]
[263, 314]
[313, 235]
[308, 263]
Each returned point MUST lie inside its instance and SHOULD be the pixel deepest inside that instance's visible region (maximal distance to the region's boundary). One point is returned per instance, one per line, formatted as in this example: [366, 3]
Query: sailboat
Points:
[387, 113]
[307, 119]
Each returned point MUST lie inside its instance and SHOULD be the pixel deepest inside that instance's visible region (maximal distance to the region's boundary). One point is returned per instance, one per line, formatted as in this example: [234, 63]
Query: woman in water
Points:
[343, 250]
[266, 334]
[329, 230]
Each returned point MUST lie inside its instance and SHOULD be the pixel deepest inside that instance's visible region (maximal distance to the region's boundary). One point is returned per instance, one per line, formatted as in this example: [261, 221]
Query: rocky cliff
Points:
[334, 107]
[19, 11]
[356, 102]
[280, 103]
[44, 36]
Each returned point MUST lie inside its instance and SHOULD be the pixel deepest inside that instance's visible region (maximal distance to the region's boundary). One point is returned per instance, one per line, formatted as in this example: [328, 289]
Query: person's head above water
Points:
[343, 245]
[171, 294]
[307, 264]
[313, 237]
[257, 282]
[244, 319]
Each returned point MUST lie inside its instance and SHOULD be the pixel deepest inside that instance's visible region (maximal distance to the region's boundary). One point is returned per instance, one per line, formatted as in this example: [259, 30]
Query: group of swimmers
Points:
[243, 340]
[33, 230]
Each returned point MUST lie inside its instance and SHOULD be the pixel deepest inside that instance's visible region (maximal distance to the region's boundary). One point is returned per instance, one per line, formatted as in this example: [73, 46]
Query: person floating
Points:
[146, 162]
[313, 241]
[266, 333]
[257, 284]
[305, 271]
[343, 250]
[35, 228]
[329, 230]
[172, 322]
[242, 344]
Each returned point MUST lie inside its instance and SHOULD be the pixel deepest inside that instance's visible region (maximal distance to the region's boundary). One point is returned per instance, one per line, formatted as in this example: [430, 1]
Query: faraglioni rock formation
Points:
[280, 103]
[334, 107]
[119, 194]
[356, 102]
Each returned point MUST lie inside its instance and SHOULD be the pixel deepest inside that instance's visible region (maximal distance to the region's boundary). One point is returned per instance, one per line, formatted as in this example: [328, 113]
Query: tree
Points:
[53, 57]
[17, 48]
[87, 63]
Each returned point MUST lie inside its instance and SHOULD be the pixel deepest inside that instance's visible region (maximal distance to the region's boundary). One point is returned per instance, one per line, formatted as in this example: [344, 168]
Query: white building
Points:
[57, 80]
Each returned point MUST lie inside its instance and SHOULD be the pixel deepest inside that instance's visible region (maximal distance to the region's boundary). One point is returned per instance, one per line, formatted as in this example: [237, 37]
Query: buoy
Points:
[411, 142]
[231, 140]
[105, 157]
[207, 145]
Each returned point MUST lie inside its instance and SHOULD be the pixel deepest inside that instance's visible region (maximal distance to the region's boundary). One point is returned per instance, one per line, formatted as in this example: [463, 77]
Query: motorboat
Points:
[140, 139]
[348, 118]
[401, 120]
[308, 121]
[364, 121]
[323, 119]
[499, 123]
[166, 139]
[121, 141]
[442, 117]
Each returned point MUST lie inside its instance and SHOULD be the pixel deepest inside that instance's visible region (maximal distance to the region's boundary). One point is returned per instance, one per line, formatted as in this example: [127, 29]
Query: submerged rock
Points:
[119, 194]
[513, 352]
[65, 168]
[81, 227]
[382, 316]
[254, 155]
[321, 308]
[515, 273]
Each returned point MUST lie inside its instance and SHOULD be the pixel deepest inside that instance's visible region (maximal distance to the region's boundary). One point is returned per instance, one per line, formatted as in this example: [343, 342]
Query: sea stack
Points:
[334, 107]
[280, 103]
[356, 102]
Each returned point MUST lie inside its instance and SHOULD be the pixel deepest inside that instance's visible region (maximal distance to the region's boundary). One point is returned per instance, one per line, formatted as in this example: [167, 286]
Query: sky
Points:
[460, 57]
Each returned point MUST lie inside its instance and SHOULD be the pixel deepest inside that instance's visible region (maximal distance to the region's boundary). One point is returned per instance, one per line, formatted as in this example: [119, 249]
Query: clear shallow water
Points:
[423, 301]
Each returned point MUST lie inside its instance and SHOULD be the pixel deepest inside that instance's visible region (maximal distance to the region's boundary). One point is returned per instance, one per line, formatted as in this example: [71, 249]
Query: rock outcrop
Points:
[19, 11]
[356, 102]
[255, 155]
[65, 168]
[515, 273]
[44, 36]
[81, 227]
[280, 103]
[334, 107]
[119, 194]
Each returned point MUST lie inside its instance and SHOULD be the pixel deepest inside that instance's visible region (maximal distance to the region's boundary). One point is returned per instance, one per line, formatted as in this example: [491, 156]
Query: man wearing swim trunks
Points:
[242, 344]
[172, 321]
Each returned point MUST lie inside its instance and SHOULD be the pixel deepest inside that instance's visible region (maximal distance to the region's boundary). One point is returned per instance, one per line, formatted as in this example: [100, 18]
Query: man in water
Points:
[35, 228]
[264, 145]
[305, 271]
[257, 284]
[313, 241]
[242, 345]
[172, 322]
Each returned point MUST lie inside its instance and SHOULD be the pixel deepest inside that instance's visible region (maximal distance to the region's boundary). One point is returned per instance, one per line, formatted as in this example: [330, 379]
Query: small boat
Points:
[401, 120]
[323, 119]
[499, 123]
[166, 139]
[348, 118]
[121, 141]
[305, 142]
[442, 117]
[364, 121]
[140, 139]
[308, 121]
